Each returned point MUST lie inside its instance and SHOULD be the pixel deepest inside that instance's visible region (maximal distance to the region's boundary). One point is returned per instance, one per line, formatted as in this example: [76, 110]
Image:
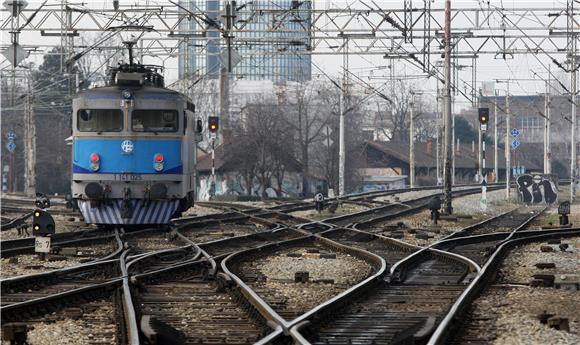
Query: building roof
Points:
[465, 158]
[225, 162]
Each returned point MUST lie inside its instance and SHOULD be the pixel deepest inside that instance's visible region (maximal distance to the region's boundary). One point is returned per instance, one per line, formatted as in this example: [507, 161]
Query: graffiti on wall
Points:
[537, 188]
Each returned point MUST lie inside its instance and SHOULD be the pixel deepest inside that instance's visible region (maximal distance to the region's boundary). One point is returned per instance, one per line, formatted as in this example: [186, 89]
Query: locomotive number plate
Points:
[128, 177]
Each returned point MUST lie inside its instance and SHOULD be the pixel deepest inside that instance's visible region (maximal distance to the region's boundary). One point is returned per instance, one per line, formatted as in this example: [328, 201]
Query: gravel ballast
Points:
[29, 264]
[508, 310]
[466, 209]
[327, 277]
[96, 324]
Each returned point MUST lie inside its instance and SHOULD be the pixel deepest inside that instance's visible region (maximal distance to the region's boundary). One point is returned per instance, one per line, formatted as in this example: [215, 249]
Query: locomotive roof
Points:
[114, 91]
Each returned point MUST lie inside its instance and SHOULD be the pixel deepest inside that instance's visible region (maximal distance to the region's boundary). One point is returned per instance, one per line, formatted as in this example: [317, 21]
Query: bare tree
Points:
[307, 119]
[93, 66]
[263, 146]
[393, 118]
[326, 156]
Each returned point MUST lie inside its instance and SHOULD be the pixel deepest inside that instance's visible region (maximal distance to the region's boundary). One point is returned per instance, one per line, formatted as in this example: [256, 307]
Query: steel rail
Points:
[271, 314]
[42, 304]
[449, 239]
[18, 246]
[452, 318]
[411, 261]
[128, 308]
[15, 222]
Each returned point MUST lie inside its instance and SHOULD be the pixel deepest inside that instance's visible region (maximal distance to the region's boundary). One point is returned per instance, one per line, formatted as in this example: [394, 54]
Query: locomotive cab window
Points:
[153, 120]
[100, 120]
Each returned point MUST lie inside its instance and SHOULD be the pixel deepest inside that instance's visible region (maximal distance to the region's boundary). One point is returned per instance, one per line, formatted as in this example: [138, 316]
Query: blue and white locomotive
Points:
[134, 150]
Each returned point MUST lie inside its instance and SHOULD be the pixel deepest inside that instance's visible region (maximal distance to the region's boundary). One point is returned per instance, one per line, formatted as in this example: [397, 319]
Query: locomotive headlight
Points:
[126, 94]
[158, 166]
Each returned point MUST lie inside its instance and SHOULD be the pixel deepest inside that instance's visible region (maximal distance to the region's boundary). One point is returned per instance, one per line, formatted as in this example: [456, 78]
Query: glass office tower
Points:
[271, 36]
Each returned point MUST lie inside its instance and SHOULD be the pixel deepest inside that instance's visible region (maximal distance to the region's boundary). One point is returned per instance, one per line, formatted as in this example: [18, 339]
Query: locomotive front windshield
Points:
[154, 120]
[100, 120]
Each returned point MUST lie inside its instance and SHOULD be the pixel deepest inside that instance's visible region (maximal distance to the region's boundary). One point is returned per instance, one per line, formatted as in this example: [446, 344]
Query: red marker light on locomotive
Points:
[158, 162]
[95, 159]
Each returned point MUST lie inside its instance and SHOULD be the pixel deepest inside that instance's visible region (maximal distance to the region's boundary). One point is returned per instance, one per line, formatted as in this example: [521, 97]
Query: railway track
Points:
[221, 248]
[25, 205]
[167, 266]
[369, 220]
[18, 290]
[182, 304]
[331, 268]
[404, 310]
[94, 322]
[411, 302]
[472, 243]
[217, 230]
[450, 329]
[152, 240]
[389, 249]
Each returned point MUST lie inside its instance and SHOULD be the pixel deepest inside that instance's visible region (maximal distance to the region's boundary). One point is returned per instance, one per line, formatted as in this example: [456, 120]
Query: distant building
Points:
[278, 55]
[528, 116]
[389, 160]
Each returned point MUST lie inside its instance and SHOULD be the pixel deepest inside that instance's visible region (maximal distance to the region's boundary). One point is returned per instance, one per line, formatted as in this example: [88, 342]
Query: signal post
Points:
[213, 124]
[483, 121]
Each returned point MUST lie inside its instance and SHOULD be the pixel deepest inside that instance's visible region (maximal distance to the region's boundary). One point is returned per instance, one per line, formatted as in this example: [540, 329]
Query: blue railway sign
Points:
[515, 132]
[11, 146]
[11, 135]
[515, 144]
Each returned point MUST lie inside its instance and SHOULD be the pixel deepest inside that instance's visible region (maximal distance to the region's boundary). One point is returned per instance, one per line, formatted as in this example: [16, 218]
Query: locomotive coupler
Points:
[126, 209]
[147, 193]
[106, 193]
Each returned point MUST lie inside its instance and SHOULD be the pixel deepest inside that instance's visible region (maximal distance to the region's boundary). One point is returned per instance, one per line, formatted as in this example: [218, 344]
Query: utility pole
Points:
[507, 143]
[341, 148]
[573, 67]
[495, 138]
[30, 144]
[438, 151]
[447, 203]
[226, 68]
[547, 153]
[412, 144]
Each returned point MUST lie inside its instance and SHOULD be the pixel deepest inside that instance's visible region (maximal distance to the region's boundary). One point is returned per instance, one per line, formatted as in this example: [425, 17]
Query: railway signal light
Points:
[483, 115]
[42, 223]
[213, 123]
